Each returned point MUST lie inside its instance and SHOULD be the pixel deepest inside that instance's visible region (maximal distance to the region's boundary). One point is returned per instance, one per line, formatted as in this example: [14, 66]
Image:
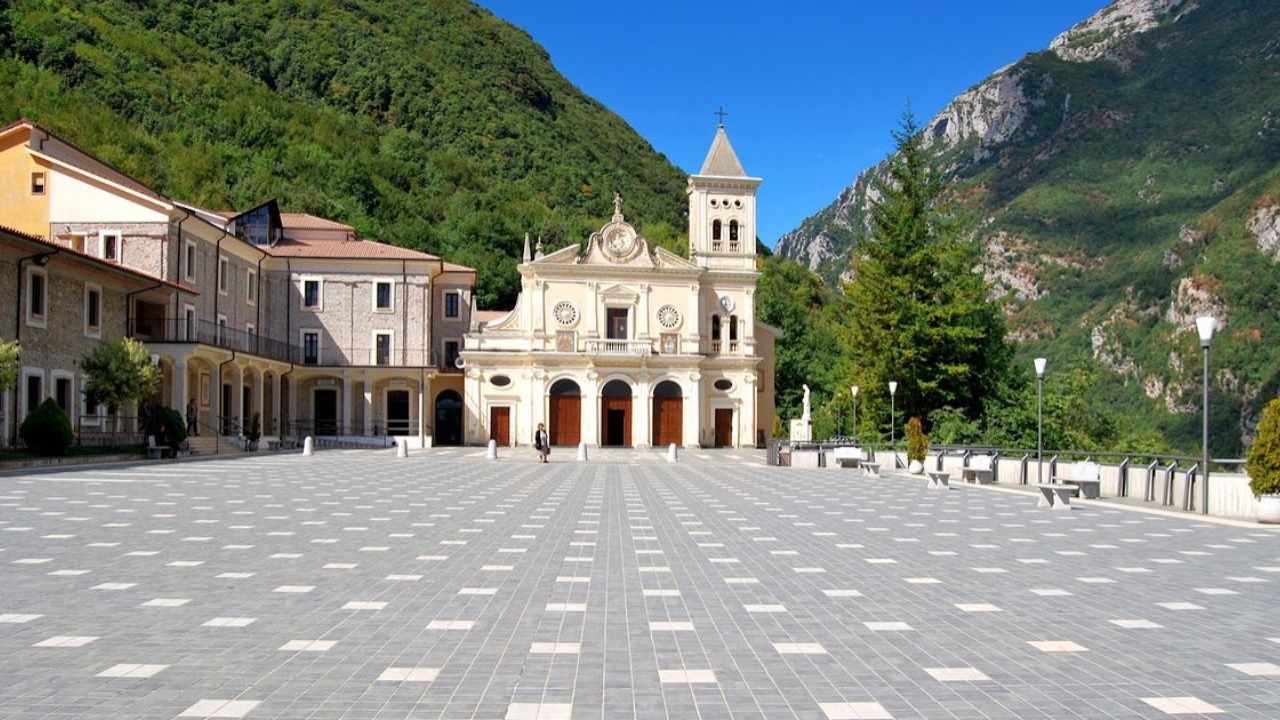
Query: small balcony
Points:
[637, 348]
[366, 357]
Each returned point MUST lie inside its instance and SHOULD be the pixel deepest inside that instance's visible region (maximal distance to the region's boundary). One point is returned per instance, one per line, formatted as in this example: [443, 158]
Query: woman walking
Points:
[541, 442]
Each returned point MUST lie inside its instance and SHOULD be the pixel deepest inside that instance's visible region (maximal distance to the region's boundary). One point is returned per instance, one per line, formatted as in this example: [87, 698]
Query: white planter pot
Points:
[1269, 509]
[916, 467]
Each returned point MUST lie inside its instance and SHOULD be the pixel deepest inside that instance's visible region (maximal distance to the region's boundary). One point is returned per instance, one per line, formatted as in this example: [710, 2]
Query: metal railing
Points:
[176, 330]
[327, 433]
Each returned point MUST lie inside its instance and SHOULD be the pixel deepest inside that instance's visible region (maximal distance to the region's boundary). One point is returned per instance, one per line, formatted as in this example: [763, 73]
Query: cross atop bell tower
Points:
[722, 208]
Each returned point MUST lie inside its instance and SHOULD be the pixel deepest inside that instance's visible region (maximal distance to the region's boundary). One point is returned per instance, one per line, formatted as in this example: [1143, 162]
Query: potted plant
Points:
[253, 433]
[1264, 464]
[917, 446]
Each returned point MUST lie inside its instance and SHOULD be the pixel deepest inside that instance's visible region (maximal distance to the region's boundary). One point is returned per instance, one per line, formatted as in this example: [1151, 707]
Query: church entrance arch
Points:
[668, 414]
[448, 426]
[565, 412]
[615, 414]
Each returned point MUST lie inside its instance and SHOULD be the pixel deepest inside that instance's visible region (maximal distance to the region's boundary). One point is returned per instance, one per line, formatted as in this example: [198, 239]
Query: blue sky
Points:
[812, 88]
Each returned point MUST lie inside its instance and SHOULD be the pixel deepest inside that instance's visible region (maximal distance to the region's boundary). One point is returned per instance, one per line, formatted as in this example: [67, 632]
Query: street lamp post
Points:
[893, 450]
[1040, 363]
[854, 390]
[1205, 325]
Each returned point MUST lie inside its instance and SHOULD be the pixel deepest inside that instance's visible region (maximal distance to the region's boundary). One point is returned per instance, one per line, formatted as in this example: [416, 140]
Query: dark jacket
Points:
[540, 440]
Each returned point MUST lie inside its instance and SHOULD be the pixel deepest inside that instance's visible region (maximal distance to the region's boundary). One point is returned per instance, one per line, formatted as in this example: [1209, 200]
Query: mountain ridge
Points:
[1121, 181]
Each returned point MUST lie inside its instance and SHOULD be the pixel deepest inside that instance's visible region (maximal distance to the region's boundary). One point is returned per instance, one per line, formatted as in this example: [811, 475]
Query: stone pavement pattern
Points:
[356, 585]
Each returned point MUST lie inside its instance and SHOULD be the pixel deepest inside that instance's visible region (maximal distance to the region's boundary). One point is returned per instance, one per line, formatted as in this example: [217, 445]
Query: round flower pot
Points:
[916, 467]
[1269, 509]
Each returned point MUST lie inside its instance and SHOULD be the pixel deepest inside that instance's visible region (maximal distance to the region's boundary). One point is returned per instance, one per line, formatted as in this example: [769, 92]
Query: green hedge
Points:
[47, 431]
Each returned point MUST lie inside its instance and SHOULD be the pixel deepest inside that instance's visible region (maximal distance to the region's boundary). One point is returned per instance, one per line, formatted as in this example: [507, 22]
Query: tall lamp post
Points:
[893, 391]
[854, 390]
[1040, 363]
[1205, 325]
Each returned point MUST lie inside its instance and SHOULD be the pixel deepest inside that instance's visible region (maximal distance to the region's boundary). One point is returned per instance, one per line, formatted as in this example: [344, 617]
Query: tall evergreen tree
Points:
[920, 310]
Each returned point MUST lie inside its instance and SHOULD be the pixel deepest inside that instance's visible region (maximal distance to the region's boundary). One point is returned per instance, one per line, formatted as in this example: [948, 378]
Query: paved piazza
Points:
[356, 585]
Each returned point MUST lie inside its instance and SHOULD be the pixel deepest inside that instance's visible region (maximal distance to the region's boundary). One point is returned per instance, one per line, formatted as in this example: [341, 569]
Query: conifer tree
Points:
[921, 312]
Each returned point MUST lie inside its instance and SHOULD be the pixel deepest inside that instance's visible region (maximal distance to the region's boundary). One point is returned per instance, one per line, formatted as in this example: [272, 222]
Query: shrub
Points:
[917, 441]
[47, 431]
[169, 427]
[1264, 456]
[254, 431]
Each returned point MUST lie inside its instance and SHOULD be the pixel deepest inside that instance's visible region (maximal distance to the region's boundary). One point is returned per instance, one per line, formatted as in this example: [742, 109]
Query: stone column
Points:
[368, 405]
[641, 405]
[693, 321]
[275, 406]
[747, 425]
[591, 409]
[346, 403]
[262, 404]
[294, 387]
[179, 401]
[422, 415]
[593, 321]
[693, 412]
[642, 322]
[237, 395]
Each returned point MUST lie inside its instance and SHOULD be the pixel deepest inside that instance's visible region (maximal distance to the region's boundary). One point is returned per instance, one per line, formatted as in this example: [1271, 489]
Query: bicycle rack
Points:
[1122, 481]
[1188, 488]
[1022, 478]
[1166, 497]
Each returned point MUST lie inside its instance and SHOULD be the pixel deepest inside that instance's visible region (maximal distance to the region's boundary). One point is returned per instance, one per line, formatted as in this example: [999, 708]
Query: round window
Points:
[737, 203]
[714, 202]
[668, 317]
[500, 380]
[723, 384]
[565, 313]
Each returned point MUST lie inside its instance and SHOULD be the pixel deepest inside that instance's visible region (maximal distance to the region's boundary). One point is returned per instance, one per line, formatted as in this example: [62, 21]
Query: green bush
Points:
[47, 431]
[1264, 456]
[169, 427]
[917, 441]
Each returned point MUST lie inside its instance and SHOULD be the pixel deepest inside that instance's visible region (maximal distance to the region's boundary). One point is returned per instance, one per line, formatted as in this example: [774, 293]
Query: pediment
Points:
[567, 255]
[667, 259]
[620, 293]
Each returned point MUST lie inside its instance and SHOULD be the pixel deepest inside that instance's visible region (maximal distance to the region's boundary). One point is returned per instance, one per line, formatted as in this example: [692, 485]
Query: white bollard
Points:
[307, 447]
[492, 452]
[402, 449]
[672, 453]
[582, 452]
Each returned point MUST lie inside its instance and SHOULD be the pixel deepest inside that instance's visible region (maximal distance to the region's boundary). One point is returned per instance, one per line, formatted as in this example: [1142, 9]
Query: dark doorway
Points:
[448, 429]
[326, 411]
[565, 408]
[225, 409]
[724, 427]
[615, 414]
[668, 414]
[616, 327]
[398, 412]
[500, 425]
[246, 403]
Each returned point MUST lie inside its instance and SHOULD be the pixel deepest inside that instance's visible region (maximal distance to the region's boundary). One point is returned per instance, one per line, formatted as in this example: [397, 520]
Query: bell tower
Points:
[722, 209]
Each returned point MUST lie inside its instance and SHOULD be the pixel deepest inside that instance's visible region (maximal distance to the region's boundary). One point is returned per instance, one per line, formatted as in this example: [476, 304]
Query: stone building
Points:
[616, 343]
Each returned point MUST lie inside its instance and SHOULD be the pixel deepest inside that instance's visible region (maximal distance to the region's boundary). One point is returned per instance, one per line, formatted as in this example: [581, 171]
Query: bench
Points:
[154, 451]
[871, 468]
[847, 457]
[979, 470]
[1085, 476]
[1056, 497]
[939, 479]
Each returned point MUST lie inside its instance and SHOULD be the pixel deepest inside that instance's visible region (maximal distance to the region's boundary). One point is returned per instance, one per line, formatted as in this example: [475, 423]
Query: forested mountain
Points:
[1122, 182]
[432, 125]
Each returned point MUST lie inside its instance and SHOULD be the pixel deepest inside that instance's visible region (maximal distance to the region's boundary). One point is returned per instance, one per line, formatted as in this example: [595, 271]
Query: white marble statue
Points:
[805, 416]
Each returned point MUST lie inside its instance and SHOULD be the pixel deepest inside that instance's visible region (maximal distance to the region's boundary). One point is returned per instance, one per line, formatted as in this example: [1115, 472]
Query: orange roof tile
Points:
[305, 221]
[353, 249]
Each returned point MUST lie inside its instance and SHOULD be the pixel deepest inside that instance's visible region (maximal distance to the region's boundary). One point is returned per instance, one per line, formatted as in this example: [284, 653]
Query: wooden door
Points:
[615, 421]
[500, 425]
[668, 421]
[724, 427]
[566, 420]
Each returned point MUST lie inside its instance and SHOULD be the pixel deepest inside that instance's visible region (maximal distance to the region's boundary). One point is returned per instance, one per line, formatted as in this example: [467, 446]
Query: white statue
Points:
[805, 416]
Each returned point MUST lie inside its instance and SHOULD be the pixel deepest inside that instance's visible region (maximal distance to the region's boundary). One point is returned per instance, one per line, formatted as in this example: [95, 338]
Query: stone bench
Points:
[979, 470]
[1057, 497]
[847, 457]
[1084, 475]
[871, 468]
[939, 479]
[157, 452]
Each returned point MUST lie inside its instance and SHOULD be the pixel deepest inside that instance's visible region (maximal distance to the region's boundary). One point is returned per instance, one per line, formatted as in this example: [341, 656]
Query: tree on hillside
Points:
[919, 311]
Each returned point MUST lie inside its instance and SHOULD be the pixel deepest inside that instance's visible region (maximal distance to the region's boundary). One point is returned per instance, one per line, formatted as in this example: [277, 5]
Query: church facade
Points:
[620, 344]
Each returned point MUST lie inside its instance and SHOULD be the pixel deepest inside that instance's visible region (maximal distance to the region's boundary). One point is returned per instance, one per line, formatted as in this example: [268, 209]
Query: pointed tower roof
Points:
[721, 160]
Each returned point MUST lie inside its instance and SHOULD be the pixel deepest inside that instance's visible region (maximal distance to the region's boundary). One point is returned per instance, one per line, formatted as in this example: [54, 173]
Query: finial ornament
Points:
[721, 114]
[617, 204]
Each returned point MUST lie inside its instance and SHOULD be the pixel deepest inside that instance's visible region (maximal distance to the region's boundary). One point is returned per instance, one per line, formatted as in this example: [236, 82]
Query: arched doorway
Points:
[565, 410]
[668, 414]
[615, 414]
[448, 427]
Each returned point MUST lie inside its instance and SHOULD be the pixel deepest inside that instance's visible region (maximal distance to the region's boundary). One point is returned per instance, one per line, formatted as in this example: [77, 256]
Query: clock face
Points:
[726, 303]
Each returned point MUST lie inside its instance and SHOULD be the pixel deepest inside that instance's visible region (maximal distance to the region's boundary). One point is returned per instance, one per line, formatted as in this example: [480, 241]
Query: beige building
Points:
[617, 343]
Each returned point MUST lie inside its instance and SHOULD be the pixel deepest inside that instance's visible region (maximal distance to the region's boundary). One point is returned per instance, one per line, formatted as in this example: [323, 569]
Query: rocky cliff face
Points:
[1122, 181]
